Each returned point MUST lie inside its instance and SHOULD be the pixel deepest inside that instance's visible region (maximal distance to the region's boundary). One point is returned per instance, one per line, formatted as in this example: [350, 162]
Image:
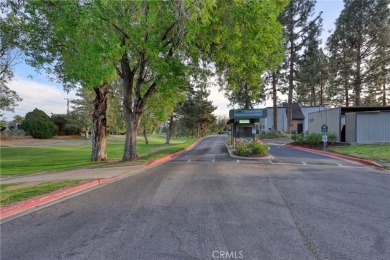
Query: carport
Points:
[335, 119]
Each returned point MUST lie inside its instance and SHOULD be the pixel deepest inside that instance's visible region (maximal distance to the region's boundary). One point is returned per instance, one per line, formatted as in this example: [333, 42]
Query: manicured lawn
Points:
[377, 152]
[9, 196]
[273, 135]
[27, 160]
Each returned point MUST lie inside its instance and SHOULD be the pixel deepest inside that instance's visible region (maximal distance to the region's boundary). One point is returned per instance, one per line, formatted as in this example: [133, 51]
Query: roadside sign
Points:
[324, 138]
[324, 128]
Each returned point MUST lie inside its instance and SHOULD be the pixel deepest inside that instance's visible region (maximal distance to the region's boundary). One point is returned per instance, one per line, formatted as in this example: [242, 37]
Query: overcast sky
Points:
[39, 92]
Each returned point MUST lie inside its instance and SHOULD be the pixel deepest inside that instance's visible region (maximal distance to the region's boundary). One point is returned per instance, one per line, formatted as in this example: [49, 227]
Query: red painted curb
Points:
[173, 155]
[46, 198]
[364, 161]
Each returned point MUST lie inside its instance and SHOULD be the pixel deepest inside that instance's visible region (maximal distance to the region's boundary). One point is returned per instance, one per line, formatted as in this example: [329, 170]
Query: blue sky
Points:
[39, 92]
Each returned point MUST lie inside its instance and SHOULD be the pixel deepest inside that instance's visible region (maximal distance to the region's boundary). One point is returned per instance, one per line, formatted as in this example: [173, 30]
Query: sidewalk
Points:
[98, 173]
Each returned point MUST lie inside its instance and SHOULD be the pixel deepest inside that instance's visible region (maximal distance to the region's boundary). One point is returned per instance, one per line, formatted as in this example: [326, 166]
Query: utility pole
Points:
[67, 104]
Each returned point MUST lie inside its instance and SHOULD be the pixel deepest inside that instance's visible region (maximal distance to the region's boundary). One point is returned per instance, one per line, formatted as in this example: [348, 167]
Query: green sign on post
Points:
[324, 129]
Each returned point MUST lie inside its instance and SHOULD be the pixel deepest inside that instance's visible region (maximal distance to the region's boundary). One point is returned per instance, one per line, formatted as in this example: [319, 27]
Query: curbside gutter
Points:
[55, 195]
[173, 155]
[364, 161]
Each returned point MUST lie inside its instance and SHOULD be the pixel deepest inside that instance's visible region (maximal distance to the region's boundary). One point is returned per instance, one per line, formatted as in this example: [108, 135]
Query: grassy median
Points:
[16, 161]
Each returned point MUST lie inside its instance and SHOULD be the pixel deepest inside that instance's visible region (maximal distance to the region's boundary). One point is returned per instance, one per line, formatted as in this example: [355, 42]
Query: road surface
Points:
[205, 205]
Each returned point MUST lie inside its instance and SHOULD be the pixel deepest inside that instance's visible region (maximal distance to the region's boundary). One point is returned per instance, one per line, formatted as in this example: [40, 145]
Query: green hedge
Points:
[251, 148]
[312, 138]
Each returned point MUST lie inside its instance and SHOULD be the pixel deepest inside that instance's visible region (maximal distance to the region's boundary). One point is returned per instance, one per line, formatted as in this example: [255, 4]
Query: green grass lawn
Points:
[273, 135]
[374, 152]
[10, 196]
[27, 160]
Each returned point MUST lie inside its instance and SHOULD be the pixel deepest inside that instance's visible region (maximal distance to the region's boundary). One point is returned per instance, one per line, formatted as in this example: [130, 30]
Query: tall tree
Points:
[9, 33]
[196, 113]
[60, 38]
[154, 45]
[297, 26]
[167, 38]
[361, 35]
[246, 49]
[82, 108]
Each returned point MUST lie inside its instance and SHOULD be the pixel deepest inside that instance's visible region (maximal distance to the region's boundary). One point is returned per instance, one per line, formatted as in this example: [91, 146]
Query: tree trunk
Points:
[246, 98]
[358, 81]
[384, 101]
[99, 128]
[274, 99]
[130, 150]
[290, 83]
[133, 103]
[169, 132]
[145, 137]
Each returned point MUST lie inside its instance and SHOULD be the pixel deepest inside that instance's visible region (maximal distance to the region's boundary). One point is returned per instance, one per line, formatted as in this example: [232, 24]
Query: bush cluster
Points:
[312, 138]
[39, 125]
[251, 148]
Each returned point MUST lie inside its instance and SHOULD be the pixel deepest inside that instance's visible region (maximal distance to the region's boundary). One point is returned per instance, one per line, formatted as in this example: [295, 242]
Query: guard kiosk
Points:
[243, 121]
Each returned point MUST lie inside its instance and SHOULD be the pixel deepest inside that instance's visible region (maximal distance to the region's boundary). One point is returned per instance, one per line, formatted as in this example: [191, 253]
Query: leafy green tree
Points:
[252, 44]
[39, 125]
[9, 32]
[154, 46]
[8, 98]
[18, 119]
[61, 38]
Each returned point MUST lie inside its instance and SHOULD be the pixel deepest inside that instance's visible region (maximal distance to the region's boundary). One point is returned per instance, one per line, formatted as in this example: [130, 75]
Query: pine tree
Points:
[297, 25]
[360, 48]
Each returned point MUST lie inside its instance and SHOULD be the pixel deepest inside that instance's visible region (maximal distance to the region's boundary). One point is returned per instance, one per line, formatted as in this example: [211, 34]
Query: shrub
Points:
[332, 137]
[39, 125]
[251, 148]
[71, 129]
[299, 138]
[313, 138]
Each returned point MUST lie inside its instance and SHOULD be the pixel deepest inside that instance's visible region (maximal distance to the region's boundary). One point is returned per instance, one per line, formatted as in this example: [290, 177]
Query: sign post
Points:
[324, 131]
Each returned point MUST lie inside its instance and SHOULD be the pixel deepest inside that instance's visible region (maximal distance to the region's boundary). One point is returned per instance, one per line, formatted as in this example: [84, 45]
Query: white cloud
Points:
[46, 97]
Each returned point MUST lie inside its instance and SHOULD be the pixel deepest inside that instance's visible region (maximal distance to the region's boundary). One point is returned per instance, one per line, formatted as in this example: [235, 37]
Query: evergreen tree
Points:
[297, 28]
[196, 114]
[360, 48]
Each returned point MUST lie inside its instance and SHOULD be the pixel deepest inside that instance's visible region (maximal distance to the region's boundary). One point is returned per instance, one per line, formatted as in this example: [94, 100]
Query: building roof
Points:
[296, 111]
[363, 109]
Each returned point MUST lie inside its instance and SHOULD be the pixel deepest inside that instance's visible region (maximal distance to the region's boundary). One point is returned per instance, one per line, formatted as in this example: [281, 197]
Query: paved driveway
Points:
[204, 205]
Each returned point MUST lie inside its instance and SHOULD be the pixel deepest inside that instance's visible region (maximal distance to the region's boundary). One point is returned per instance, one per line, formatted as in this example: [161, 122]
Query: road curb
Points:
[55, 195]
[268, 157]
[364, 161]
[173, 155]
[46, 198]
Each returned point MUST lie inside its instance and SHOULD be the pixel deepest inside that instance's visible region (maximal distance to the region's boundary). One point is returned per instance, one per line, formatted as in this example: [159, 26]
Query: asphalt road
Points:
[205, 205]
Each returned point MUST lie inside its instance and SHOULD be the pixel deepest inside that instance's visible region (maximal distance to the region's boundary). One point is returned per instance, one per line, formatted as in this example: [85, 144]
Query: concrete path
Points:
[97, 173]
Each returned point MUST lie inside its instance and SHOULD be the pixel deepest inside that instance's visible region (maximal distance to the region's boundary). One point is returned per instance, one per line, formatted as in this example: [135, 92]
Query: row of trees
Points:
[155, 48]
[352, 70]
